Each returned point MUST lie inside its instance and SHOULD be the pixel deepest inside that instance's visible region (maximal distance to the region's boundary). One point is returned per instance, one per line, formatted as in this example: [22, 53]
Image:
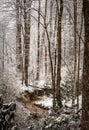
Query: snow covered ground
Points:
[47, 102]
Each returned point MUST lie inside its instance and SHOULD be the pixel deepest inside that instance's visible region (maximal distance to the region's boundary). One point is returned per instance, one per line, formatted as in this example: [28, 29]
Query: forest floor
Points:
[29, 116]
[35, 109]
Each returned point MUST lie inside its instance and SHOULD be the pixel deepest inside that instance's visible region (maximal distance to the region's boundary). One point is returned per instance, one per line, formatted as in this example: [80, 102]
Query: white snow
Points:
[40, 83]
[80, 101]
[45, 102]
[68, 103]
[23, 88]
[31, 88]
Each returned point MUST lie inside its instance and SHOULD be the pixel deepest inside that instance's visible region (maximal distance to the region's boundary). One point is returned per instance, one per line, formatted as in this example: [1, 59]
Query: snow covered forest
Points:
[44, 65]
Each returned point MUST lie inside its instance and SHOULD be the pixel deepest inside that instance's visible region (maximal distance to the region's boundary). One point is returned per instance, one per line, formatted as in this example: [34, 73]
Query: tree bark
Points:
[26, 41]
[79, 56]
[18, 37]
[75, 51]
[60, 12]
[50, 59]
[46, 48]
[38, 43]
[85, 91]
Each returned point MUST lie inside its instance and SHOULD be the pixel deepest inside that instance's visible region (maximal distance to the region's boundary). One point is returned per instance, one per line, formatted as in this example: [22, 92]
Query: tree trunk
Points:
[46, 48]
[18, 37]
[85, 91]
[75, 51]
[38, 43]
[55, 47]
[3, 48]
[51, 66]
[79, 56]
[58, 95]
[26, 42]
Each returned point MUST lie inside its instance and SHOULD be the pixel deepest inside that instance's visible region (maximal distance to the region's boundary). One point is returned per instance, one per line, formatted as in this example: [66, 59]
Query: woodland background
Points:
[44, 60]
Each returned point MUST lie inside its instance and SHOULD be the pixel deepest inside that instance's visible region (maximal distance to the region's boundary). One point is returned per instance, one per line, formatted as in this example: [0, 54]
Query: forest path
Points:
[36, 109]
[33, 107]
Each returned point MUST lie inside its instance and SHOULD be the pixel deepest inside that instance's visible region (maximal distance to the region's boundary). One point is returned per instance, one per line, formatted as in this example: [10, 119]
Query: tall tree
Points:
[26, 39]
[59, 44]
[18, 36]
[45, 18]
[50, 57]
[51, 64]
[3, 46]
[51, 29]
[75, 50]
[38, 42]
[85, 89]
[79, 56]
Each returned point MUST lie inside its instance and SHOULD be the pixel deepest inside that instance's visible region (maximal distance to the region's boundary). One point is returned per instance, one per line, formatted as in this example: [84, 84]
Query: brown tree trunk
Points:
[3, 47]
[55, 48]
[26, 41]
[18, 37]
[75, 51]
[85, 91]
[46, 48]
[38, 43]
[58, 95]
[51, 65]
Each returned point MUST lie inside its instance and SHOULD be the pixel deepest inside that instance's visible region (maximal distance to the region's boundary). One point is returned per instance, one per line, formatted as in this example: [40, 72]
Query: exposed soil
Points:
[32, 107]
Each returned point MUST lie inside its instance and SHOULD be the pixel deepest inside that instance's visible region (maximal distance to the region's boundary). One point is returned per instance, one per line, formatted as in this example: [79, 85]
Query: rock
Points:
[6, 114]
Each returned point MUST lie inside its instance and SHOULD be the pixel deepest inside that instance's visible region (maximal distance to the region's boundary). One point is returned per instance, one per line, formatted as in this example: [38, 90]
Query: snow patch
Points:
[23, 88]
[40, 83]
[80, 101]
[45, 102]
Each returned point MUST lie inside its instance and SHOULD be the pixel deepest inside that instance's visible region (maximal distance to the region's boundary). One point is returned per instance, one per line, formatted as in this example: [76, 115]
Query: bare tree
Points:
[85, 80]
[46, 48]
[38, 42]
[59, 43]
[75, 50]
[18, 36]
[26, 39]
[79, 56]
[3, 48]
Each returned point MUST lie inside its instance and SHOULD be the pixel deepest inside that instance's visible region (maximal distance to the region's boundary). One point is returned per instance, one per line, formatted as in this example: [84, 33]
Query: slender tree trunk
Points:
[45, 40]
[79, 52]
[26, 41]
[38, 43]
[85, 90]
[51, 7]
[51, 66]
[22, 33]
[58, 95]
[55, 48]
[18, 37]
[46, 60]
[75, 51]
[43, 52]
[3, 48]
